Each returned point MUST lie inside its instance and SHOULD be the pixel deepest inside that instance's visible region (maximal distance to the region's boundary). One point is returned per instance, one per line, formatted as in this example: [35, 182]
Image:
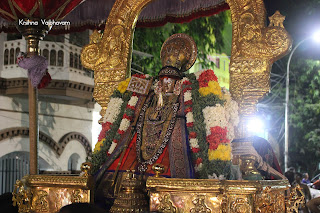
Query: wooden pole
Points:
[33, 34]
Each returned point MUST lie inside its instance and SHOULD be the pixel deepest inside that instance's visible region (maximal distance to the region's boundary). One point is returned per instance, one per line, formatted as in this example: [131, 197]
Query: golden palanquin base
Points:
[196, 195]
[48, 193]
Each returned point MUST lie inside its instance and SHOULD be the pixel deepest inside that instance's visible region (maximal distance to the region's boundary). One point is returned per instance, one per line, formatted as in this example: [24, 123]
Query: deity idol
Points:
[185, 122]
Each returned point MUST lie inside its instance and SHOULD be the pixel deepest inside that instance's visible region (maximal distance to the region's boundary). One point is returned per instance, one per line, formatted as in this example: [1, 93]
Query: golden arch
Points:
[254, 48]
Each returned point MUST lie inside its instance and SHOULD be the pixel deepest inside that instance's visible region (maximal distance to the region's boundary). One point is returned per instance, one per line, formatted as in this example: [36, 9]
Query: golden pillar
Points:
[109, 55]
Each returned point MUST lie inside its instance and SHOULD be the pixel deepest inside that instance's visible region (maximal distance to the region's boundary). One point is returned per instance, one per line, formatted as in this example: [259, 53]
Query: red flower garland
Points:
[198, 161]
[192, 135]
[105, 127]
[205, 77]
[218, 135]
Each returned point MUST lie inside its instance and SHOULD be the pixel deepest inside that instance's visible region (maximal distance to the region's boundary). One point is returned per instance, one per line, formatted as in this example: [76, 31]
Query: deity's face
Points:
[168, 84]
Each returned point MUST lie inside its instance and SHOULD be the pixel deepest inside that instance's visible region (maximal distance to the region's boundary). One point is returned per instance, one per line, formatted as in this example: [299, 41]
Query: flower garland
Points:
[210, 143]
[112, 112]
[127, 118]
[116, 121]
[208, 83]
[193, 140]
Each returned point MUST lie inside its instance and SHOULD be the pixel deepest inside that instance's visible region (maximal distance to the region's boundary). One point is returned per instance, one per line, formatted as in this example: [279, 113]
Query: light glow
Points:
[255, 125]
[316, 36]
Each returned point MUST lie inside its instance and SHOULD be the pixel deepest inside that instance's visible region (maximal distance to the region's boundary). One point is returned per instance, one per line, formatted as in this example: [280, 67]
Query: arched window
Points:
[71, 59]
[76, 64]
[53, 58]
[74, 162]
[45, 53]
[15, 56]
[12, 57]
[6, 57]
[60, 58]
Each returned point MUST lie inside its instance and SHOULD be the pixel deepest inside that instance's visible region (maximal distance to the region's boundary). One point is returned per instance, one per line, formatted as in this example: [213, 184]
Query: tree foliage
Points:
[206, 31]
[301, 19]
[305, 115]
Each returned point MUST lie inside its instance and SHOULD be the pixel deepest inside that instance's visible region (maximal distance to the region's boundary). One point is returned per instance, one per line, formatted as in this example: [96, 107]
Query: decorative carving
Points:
[131, 197]
[254, 48]
[76, 196]
[166, 204]
[41, 203]
[22, 197]
[240, 204]
[219, 196]
[269, 201]
[44, 193]
[139, 85]
[109, 56]
[276, 20]
[294, 200]
[200, 205]
[95, 37]
[224, 201]
[86, 168]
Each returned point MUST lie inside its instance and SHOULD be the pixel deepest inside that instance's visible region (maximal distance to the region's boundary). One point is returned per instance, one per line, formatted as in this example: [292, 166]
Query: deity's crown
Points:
[178, 54]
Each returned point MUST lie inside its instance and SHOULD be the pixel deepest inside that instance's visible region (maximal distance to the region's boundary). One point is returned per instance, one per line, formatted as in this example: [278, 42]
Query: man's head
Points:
[305, 175]
[292, 169]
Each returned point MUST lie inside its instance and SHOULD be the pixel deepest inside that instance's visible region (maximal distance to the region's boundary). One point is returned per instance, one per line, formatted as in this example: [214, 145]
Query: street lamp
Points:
[316, 37]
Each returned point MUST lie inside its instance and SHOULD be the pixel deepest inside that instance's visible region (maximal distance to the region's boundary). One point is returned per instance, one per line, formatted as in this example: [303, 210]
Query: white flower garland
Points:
[194, 143]
[124, 125]
[198, 167]
[187, 96]
[189, 117]
[214, 116]
[232, 115]
[113, 110]
[112, 147]
[133, 101]
[184, 79]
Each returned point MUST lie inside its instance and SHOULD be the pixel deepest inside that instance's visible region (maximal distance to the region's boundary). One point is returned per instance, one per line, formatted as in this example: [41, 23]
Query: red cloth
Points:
[130, 162]
[46, 9]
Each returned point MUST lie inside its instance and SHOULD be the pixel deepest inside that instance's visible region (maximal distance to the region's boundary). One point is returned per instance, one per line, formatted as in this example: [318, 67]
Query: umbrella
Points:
[92, 14]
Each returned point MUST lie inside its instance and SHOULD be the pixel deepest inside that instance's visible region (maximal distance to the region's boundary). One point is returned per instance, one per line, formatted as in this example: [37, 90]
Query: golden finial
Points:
[158, 169]
[276, 20]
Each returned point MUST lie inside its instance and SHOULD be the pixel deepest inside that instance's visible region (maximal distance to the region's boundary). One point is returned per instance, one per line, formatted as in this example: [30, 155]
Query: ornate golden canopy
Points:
[254, 49]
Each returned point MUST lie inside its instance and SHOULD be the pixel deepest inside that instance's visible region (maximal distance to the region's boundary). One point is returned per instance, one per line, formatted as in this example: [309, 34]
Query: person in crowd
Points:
[290, 175]
[305, 179]
[314, 205]
[305, 190]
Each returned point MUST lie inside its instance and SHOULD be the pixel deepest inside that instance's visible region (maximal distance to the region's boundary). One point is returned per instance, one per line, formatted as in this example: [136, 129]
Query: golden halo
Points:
[180, 51]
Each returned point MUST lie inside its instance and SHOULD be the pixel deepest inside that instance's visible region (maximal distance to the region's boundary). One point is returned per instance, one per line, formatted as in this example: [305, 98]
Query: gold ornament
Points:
[200, 195]
[45, 193]
[254, 48]
[179, 51]
[109, 57]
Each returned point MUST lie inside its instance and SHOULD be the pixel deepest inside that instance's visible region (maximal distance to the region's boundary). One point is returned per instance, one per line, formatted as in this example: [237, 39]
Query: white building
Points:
[65, 108]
